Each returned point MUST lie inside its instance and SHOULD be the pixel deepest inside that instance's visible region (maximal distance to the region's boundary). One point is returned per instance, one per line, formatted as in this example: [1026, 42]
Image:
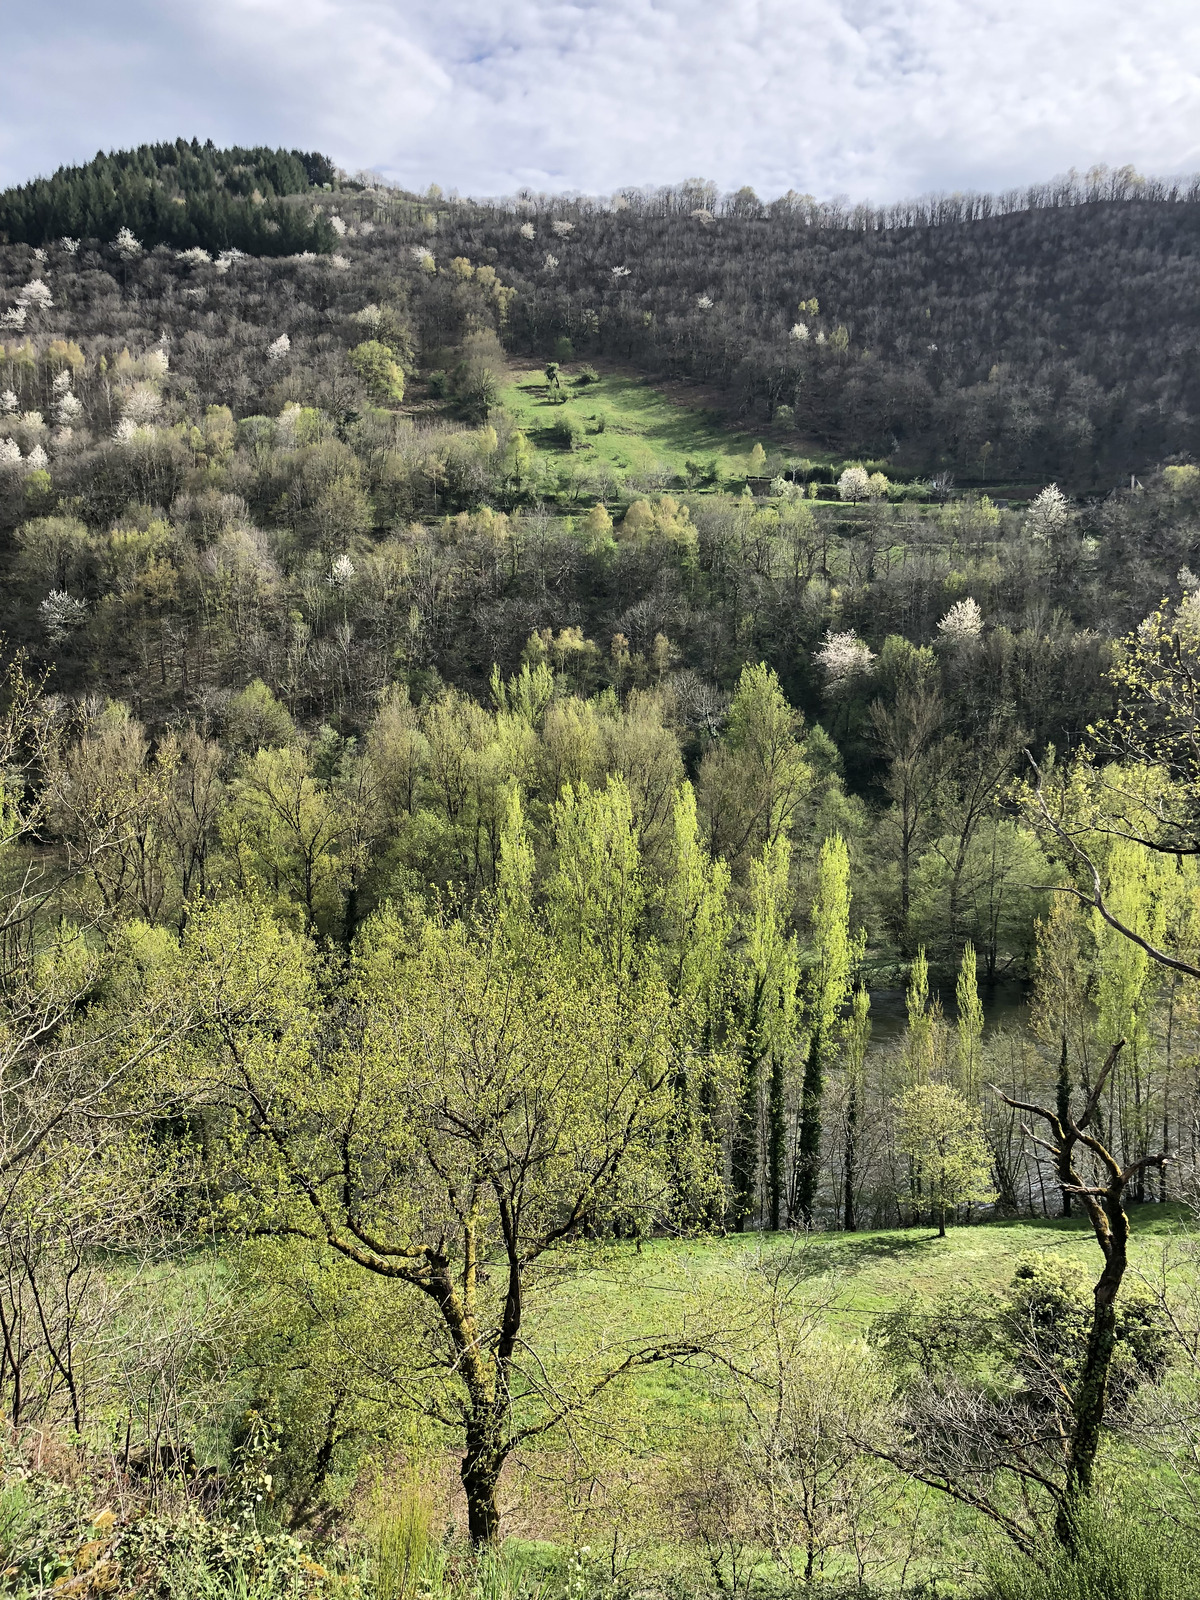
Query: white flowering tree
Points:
[14, 317]
[35, 295]
[562, 228]
[279, 349]
[37, 460]
[140, 404]
[61, 615]
[527, 230]
[854, 484]
[10, 453]
[1049, 513]
[338, 226]
[843, 658]
[963, 623]
[341, 573]
[126, 246]
[800, 332]
[8, 402]
[68, 411]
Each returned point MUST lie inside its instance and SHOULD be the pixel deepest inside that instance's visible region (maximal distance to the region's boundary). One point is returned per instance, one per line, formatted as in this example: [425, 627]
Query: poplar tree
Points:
[1127, 982]
[767, 1006]
[835, 955]
[970, 1027]
[1059, 1016]
[858, 1036]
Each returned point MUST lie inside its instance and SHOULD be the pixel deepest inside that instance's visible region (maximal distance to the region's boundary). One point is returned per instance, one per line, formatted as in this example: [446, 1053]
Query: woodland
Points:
[599, 910]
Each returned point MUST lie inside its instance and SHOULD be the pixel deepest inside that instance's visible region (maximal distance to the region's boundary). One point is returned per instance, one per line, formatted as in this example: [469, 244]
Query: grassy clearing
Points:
[629, 428]
[851, 1277]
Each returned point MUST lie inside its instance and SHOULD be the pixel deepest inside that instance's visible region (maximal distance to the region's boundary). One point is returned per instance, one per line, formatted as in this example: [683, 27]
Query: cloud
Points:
[872, 98]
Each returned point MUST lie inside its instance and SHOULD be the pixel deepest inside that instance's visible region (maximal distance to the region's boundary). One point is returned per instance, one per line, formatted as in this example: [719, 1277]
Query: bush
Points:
[567, 432]
[1115, 1559]
[477, 390]
[587, 375]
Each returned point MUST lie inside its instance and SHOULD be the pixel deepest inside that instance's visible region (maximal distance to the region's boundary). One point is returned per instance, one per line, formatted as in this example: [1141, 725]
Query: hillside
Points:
[599, 892]
[1050, 335]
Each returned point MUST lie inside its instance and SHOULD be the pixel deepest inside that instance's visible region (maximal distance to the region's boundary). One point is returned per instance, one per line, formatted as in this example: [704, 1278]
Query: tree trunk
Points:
[1063, 1107]
[851, 1153]
[1092, 1395]
[480, 1473]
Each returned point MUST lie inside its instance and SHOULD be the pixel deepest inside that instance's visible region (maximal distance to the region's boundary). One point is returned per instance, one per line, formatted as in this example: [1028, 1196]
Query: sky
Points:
[871, 99]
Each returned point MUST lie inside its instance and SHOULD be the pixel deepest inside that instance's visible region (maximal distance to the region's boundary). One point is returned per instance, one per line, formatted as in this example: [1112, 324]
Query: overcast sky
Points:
[874, 99]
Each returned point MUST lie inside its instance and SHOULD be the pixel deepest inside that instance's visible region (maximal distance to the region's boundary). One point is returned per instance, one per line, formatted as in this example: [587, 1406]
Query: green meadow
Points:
[627, 427]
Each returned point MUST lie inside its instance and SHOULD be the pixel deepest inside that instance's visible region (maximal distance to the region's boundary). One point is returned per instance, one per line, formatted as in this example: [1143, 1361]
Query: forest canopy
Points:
[187, 194]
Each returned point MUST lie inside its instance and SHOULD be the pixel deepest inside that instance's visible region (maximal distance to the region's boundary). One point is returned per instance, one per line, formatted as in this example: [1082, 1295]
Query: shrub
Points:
[567, 432]
[1115, 1558]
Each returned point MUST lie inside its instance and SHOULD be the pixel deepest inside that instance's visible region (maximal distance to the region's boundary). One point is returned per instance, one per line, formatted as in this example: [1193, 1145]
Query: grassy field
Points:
[629, 428]
[852, 1278]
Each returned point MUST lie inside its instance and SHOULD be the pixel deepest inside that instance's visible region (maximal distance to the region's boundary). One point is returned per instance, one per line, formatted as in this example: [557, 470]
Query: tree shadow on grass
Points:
[821, 1254]
[817, 1256]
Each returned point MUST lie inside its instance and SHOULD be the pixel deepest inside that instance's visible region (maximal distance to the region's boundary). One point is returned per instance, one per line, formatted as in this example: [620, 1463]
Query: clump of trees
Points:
[188, 195]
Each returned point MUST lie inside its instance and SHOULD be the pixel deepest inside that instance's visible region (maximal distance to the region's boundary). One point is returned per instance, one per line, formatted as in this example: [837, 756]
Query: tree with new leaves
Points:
[490, 1099]
[969, 1026]
[695, 925]
[753, 780]
[1139, 779]
[858, 1036]
[835, 956]
[942, 1136]
[766, 1006]
[1061, 1012]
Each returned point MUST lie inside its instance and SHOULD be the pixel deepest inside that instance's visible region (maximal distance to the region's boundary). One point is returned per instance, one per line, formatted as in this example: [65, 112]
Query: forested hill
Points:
[184, 194]
[1051, 334]
[1057, 339]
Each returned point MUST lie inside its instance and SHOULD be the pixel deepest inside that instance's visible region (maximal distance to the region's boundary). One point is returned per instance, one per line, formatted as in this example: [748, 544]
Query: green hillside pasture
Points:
[628, 429]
